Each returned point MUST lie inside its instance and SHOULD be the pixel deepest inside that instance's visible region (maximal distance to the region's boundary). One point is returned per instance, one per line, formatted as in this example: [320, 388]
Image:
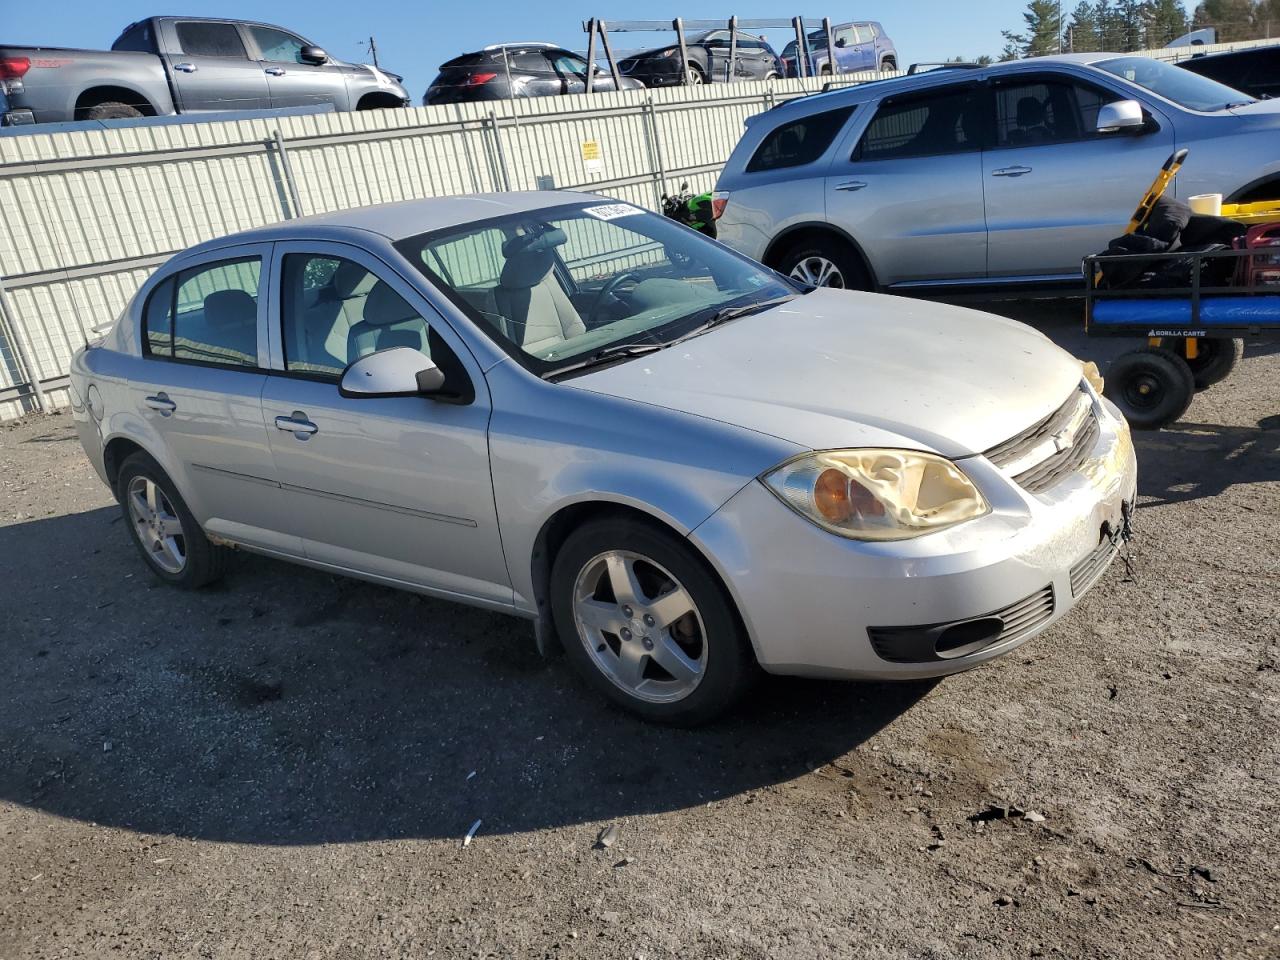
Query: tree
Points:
[1166, 20]
[1043, 33]
[1082, 30]
[1233, 19]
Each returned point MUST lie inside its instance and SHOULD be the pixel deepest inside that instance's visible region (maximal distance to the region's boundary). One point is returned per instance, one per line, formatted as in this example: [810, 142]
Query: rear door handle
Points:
[1010, 171]
[185, 67]
[297, 424]
[851, 185]
[274, 71]
[162, 403]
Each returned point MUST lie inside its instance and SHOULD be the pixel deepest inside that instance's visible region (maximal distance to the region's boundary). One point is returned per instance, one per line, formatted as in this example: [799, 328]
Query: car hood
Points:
[839, 369]
[1259, 108]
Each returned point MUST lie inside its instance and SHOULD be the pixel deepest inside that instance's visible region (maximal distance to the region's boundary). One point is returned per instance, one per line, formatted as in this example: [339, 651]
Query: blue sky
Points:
[414, 39]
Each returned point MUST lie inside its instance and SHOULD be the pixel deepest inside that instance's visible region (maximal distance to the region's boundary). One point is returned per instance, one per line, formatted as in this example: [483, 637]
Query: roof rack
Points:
[914, 70]
[944, 65]
[520, 43]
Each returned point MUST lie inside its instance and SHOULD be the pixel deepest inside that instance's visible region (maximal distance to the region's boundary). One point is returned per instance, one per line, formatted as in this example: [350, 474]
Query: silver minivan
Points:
[1000, 176]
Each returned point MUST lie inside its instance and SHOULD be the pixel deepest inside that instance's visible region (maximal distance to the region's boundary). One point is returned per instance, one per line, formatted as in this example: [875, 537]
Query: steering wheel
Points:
[607, 292]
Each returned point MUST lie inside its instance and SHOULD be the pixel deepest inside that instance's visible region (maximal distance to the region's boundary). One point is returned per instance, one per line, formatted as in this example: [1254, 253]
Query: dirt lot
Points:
[283, 766]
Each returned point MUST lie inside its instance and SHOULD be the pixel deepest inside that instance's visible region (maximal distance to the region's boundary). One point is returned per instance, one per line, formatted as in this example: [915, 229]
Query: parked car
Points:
[167, 65]
[1255, 71]
[859, 46]
[1003, 176]
[709, 56]
[507, 70]
[572, 410]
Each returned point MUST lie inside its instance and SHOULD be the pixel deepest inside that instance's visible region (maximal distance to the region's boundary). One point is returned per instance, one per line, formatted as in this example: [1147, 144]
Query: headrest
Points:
[346, 278]
[1030, 112]
[530, 258]
[384, 307]
[230, 308]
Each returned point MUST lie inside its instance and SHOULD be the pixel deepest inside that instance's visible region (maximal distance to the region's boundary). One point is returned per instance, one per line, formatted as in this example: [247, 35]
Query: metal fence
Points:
[88, 213]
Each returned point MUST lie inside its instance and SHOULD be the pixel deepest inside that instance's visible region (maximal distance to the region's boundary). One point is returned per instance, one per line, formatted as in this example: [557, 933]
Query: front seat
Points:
[388, 322]
[536, 311]
[231, 325]
[1030, 118]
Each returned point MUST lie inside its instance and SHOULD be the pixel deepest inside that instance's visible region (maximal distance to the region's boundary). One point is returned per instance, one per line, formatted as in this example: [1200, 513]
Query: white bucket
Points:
[1207, 204]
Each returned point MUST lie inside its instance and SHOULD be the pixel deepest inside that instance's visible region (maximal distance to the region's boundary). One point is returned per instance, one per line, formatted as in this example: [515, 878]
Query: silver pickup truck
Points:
[167, 65]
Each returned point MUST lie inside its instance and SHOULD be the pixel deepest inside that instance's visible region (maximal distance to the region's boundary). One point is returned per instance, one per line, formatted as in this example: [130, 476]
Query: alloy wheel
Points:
[640, 626]
[817, 271]
[695, 77]
[157, 525]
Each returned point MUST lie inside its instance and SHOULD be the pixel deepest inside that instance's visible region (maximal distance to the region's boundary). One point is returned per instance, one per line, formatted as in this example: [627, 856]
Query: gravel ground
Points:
[285, 766]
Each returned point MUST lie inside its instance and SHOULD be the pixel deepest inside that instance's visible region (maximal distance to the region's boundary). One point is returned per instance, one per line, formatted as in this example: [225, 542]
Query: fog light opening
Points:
[968, 637]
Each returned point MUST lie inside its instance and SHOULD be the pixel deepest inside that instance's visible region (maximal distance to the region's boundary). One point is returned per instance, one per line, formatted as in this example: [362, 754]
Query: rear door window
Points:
[942, 122]
[798, 142]
[204, 38]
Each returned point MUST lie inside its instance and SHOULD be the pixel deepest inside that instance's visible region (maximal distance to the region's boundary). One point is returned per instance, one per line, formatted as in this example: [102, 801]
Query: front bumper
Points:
[815, 604]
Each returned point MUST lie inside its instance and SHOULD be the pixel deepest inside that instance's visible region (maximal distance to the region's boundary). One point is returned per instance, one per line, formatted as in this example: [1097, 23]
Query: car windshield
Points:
[564, 284]
[1183, 87]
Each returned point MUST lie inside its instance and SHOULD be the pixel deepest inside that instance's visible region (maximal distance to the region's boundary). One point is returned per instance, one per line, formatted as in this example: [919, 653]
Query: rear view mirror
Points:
[396, 372]
[1123, 116]
[313, 54]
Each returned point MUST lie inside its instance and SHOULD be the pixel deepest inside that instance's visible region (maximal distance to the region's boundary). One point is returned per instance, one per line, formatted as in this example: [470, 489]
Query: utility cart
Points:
[1194, 330]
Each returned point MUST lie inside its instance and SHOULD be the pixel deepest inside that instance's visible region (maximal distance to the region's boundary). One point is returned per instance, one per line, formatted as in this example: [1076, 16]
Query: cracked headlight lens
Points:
[875, 494]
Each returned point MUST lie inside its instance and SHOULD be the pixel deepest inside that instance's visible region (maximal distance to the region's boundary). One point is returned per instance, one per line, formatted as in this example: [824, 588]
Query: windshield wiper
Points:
[725, 314]
[605, 356]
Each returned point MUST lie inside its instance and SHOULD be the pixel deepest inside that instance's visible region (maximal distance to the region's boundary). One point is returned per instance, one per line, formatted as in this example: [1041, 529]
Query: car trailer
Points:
[1194, 333]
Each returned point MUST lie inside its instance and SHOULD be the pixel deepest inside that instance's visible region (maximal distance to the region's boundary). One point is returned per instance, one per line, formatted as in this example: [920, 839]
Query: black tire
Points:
[206, 562]
[852, 273]
[1215, 358]
[888, 63]
[730, 666]
[112, 110]
[696, 75]
[1152, 387]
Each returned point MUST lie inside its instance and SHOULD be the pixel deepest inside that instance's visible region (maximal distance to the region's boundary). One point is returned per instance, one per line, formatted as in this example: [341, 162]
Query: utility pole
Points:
[373, 51]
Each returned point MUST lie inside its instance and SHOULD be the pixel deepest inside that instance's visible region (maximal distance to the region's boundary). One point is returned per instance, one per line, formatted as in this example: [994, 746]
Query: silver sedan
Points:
[678, 464]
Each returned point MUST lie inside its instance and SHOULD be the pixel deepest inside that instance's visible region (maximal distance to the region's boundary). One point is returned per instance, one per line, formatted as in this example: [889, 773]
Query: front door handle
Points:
[1010, 171]
[185, 67]
[274, 71]
[851, 185]
[297, 424]
[162, 403]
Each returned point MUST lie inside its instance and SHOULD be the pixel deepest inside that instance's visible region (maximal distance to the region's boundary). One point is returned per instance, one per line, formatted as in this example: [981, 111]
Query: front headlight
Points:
[1092, 375]
[877, 494]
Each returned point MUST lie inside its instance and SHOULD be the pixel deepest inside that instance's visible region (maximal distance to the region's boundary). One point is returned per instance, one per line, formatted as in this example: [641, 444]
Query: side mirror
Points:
[396, 372]
[1123, 116]
[312, 54]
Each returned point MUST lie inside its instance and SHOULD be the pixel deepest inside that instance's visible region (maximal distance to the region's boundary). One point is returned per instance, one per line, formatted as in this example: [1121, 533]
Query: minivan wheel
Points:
[163, 529]
[825, 263]
[645, 622]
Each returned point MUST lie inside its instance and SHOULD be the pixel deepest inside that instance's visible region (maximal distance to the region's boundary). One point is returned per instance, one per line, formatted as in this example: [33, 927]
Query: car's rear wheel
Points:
[162, 527]
[112, 110]
[888, 63]
[824, 262]
[1152, 387]
[646, 623]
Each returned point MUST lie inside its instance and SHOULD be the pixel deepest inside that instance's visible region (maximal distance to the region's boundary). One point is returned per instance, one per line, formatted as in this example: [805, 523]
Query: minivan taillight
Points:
[478, 79]
[719, 200]
[11, 68]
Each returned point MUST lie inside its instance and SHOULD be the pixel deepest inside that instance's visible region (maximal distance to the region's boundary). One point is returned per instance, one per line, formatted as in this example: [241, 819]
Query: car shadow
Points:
[287, 706]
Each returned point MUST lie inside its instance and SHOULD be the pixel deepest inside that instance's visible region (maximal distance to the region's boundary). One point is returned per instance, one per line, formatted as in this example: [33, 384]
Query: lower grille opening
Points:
[966, 638]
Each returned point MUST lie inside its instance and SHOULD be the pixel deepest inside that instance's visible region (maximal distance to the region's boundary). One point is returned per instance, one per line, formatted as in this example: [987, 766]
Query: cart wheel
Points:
[1152, 387]
[1215, 358]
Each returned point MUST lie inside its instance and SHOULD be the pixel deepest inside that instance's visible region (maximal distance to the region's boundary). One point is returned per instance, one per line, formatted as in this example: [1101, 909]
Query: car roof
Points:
[405, 218]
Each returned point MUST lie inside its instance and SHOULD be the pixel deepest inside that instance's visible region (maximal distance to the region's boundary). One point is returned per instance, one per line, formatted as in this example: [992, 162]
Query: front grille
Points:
[918, 644]
[1066, 438]
[1089, 569]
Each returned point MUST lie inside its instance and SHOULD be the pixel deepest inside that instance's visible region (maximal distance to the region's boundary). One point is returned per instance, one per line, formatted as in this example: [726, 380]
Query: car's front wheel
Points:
[163, 528]
[645, 622]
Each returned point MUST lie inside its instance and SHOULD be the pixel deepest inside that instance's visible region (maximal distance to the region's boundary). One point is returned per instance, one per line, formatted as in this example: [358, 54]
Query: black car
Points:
[708, 61]
[507, 70]
[1255, 72]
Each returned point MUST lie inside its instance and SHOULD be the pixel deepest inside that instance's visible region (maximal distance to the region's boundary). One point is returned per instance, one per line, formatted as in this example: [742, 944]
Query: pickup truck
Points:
[169, 65]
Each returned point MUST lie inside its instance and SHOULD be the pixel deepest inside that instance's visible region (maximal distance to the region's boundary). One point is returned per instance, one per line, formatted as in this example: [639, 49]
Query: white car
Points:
[679, 465]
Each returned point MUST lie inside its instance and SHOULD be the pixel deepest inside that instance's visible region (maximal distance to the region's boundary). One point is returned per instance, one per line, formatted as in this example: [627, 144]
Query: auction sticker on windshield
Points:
[612, 211]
